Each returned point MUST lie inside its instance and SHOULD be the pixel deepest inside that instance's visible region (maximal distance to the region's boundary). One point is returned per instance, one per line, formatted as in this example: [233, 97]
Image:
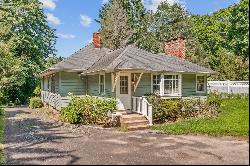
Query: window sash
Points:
[156, 83]
[166, 84]
[123, 84]
[171, 84]
[200, 83]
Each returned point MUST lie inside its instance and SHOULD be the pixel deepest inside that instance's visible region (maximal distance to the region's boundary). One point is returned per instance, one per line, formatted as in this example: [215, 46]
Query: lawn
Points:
[1, 134]
[233, 120]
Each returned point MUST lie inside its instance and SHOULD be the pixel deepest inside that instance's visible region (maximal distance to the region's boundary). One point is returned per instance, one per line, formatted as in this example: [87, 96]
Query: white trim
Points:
[162, 84]
[103, 83]
[204, 91]
[116, 80]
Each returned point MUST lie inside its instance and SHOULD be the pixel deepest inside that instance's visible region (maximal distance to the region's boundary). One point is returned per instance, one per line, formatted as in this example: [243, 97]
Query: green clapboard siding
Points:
[93, 85]
[57, 82]
[71, 82]
[144, 86]
[189, 86]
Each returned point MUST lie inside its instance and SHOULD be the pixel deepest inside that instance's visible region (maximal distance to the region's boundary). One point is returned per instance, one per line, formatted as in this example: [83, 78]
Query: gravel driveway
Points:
[31, 138]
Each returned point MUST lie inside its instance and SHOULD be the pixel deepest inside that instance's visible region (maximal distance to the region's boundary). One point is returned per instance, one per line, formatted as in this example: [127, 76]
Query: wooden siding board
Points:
[144, 86]
[71, 82]
[189, 86]
[93, 85]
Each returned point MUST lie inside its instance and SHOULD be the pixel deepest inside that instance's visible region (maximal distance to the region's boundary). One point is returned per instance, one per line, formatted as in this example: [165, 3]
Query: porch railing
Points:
[54, 100]
[140, 105]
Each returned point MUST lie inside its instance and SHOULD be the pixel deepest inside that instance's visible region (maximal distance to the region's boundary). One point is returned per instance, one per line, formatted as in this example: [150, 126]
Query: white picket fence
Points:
[228, 86]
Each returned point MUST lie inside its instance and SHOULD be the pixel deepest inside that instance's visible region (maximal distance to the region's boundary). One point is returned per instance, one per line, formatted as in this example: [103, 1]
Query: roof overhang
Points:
[51, 71]
[142, 70]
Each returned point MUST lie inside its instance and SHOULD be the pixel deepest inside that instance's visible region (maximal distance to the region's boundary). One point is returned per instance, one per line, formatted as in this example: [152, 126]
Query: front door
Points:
[123, 91]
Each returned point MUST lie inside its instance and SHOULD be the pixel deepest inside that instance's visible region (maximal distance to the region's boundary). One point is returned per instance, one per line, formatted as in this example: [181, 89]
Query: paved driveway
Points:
[31, 138]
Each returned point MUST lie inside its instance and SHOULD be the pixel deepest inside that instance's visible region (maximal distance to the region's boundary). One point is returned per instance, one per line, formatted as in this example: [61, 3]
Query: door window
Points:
[123, 84]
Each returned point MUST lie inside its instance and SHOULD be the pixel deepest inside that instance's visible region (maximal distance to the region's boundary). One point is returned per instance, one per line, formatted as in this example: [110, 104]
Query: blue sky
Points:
[74, 20]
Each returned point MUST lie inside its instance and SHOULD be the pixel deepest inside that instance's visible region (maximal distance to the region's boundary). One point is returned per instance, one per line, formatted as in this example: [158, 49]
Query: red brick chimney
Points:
[96, 40]
[176, 47]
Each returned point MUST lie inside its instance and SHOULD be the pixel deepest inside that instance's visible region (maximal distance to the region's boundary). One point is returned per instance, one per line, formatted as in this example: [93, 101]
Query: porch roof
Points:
[133, 58]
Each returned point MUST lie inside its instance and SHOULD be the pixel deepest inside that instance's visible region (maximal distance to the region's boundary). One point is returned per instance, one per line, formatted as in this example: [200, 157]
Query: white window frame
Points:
[179, 84]
[152, 82]
[102, 93]
[162, 84]
[198, 75]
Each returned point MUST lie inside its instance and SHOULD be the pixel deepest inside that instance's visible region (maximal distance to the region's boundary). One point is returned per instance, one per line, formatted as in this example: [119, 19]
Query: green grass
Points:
[232, 121]
[1, 134]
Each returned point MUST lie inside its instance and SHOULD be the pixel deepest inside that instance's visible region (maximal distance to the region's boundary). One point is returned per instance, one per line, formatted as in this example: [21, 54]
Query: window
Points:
[53, 85]
[171, 84]
[156, 83]
[200, 83]
[48, 86]
[123, 84]
[101, 84]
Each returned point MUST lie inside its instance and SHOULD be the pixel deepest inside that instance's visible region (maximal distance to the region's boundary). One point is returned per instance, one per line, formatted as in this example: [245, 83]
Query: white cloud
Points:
[153, 4]
[50, 4]
[53, 19]
[66, 36]
[85, 20]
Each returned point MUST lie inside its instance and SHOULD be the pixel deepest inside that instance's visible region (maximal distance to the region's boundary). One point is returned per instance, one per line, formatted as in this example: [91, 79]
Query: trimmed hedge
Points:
[88, 110]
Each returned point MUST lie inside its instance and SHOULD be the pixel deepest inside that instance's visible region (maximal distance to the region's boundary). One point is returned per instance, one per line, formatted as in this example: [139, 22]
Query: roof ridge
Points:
[121, 54]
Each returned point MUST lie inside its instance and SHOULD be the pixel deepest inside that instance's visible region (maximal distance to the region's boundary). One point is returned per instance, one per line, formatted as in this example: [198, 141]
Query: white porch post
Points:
[162, 85]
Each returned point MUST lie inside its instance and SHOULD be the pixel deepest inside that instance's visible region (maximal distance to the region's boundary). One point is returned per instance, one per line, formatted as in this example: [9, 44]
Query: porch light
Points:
[132, 82]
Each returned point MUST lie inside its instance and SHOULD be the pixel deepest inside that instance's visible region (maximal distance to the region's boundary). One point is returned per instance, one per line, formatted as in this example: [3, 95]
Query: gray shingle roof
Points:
[82, 59]
[90, 59]
[132, 57]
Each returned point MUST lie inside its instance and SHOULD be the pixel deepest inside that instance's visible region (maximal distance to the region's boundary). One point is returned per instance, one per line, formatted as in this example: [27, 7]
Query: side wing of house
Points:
[64, 83]
[187, 85]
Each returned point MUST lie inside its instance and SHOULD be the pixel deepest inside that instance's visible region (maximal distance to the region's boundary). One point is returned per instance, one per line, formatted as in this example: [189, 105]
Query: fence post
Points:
[228, 86]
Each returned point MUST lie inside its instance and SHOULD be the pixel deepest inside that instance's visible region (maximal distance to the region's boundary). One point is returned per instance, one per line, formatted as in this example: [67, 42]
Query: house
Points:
[127, 74]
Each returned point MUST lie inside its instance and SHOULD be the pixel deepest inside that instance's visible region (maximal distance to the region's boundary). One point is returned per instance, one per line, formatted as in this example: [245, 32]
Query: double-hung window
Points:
[156, 84]
[200, 83]
[102, 84]
[171, 85]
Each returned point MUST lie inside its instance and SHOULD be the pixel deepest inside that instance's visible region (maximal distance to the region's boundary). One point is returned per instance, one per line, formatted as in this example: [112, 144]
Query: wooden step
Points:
[139, 127]
[134, 123]
[132, 117]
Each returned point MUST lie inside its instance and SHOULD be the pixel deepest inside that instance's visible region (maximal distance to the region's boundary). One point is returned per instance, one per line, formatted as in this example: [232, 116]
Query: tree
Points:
[227, 30]
[115, 28]
[25, 40]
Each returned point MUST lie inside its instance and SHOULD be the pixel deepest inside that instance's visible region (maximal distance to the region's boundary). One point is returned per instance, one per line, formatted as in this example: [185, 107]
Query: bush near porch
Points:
[171, 110]
[88, 110]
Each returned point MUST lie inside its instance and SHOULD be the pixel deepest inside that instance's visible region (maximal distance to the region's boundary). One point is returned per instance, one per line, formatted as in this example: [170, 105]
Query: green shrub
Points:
[37, 91]
[1, 111]
[215, 99]
[3, 99]
[88, 110]
[35, 102]
[173, 109]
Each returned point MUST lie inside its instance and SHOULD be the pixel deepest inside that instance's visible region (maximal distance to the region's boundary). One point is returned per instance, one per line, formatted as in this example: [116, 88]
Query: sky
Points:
[74, 20]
